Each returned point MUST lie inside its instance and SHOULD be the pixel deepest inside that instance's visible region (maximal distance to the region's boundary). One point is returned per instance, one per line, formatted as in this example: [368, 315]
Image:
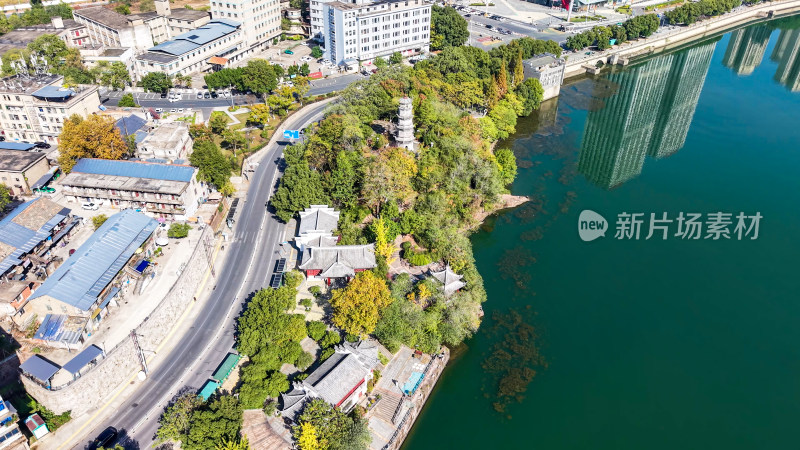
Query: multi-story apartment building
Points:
[362, 31]
[161, 190]
[260, 19]
[169, 141]
[315, 18]
[138, 31]
[10, 436]
[192, 51]
[111, 29]
[34, 108]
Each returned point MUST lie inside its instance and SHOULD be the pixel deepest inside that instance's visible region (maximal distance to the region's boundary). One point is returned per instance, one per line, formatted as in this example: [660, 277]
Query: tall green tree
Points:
[176, 421]
[259, 76]
[112, 74]
[218, 421]
[156, 82]
[300, 187]
[448, 28]
[212, 166]
[5, 196]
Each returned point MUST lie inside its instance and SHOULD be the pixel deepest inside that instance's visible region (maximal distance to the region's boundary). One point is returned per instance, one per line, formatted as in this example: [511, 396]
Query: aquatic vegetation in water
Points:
[514, 266]
[514, 358]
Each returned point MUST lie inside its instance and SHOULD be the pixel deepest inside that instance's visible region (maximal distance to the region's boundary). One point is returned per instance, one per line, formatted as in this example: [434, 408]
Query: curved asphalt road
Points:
[189, 364]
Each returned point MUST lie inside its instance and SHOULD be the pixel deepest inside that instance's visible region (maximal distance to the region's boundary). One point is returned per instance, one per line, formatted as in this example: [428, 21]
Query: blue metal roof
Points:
[52, 329]
[140, 135]
[24, 239]
[83, 276]
[39, 368]
[135, 169]
[130, 125]
[83, 358]
[176, 48]
[192, 40]
[16, 145]
[53, 92]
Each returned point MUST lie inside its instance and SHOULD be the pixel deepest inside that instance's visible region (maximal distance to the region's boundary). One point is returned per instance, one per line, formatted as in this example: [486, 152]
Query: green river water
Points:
[645, 344]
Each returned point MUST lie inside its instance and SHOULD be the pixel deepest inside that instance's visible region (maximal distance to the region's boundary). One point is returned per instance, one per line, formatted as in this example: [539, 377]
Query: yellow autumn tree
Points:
[92, 137]
[356, 308]
[308, 437]
[383, 247]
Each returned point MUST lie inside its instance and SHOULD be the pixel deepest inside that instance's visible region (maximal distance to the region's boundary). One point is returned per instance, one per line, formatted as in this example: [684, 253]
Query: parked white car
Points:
[90, 206]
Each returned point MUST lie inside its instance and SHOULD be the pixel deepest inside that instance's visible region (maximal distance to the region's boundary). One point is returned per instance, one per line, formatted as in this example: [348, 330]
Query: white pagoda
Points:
[405, 125]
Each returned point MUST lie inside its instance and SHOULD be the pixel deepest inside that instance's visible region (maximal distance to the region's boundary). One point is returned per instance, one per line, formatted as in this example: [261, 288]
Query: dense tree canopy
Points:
[332, 429]
[198, 425]
[92, 137]
[156, 82]
[633, 28]
[690, 12]
[5, 196]
[270, 337]
[212, 166]
[356, 308]
[448, 28]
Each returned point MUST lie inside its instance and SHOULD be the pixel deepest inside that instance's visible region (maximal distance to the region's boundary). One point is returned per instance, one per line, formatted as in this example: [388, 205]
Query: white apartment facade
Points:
[194, 51]
[34, 109]
[362, 31]
[315, 15]
[260, 19]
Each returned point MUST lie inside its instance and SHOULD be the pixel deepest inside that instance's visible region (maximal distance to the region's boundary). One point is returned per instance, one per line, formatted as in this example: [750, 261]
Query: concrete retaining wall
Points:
[682, 36]
[90, 391]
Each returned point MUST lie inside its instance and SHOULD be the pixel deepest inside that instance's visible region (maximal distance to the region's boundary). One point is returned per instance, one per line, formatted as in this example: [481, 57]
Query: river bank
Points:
[681, 37]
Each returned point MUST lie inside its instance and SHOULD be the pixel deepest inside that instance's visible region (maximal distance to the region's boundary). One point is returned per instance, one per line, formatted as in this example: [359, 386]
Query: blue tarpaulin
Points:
[83, 358]
[39, 368]
[142, 265]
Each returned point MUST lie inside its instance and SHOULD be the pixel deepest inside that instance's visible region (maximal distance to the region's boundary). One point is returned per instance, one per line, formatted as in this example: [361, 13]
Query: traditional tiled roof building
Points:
[341, 380]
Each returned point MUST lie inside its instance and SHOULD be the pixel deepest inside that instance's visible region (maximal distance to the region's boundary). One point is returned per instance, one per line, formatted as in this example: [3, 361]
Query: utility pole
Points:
[138, 348]
[209, 247]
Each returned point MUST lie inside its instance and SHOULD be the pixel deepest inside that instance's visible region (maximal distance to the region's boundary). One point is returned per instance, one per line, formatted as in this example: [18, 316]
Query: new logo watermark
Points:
[591, 225]
[687, 226]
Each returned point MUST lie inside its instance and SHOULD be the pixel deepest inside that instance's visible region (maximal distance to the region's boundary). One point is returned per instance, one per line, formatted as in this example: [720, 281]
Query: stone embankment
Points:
[418, 399]
[122, 362]
[664, 41]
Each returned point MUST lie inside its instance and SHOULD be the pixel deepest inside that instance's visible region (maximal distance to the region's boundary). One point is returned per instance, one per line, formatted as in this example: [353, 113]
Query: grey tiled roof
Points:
[450, 280]
[335, 378]
[339, 260]
[318, 218]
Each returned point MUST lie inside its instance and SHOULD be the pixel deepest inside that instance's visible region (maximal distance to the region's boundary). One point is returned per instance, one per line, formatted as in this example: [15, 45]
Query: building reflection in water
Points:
[746, 49]
[649, 114]
[787, 54]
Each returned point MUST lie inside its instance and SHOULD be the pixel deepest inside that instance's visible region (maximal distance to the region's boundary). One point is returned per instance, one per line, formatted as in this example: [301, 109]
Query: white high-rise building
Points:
[260, 19]
[361, 31]
[315, 8]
